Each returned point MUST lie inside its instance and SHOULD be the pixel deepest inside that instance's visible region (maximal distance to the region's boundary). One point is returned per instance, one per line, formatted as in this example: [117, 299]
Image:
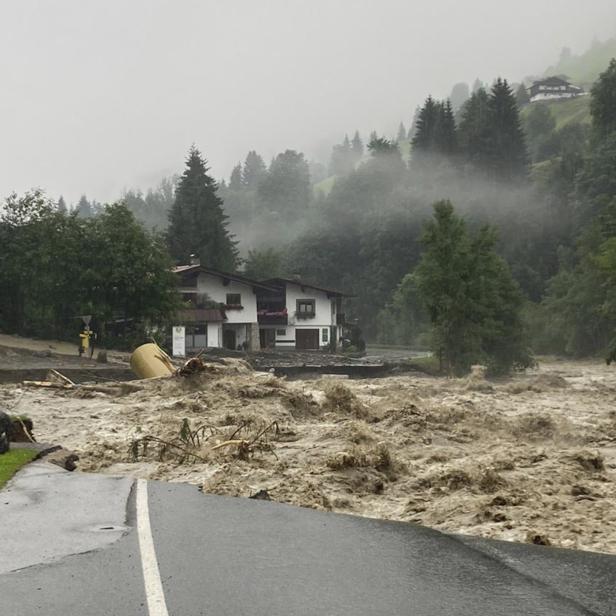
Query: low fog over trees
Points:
[522, 241]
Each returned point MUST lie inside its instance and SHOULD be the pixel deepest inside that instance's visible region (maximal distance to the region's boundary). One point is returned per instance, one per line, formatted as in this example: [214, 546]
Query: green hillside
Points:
[566, 111]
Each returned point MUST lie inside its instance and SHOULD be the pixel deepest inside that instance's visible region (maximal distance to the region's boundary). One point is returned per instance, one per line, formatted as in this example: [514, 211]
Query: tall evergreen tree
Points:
[286, 190]
[413, 126]
[425, 127]
[436, 129]
[254, 170]
[357, 146]
[473, 130]
[62, 205]
[401, 133]
[521, 96]
[84, 208]
[508, 155]
[445, 138]
[197, 222]
[603, 102]
[478, 85]
[539, 127]
[473, 303]
[342, 159]
[236, 181]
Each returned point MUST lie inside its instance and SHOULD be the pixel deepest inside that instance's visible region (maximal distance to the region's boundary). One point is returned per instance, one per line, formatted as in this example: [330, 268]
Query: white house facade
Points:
[299, 316]
[553, 88]
[220, 309]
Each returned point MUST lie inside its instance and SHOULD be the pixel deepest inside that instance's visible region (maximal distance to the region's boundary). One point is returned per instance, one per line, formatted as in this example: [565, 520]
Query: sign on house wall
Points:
[179, 341]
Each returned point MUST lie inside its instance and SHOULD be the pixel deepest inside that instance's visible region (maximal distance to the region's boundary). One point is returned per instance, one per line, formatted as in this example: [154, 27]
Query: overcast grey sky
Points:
[101, 95]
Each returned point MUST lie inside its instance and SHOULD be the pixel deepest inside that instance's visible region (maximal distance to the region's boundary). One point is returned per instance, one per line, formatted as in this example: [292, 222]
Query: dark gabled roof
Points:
[301, 283]
[197, 269]
[552, 81]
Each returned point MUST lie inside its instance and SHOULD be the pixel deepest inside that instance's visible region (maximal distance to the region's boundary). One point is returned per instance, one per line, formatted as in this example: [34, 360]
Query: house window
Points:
[281, 332]
[305, 308]
[325, 335]
[234, 300]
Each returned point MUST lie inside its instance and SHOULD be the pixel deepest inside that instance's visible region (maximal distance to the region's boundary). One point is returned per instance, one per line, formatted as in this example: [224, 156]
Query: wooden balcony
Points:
[273, 318]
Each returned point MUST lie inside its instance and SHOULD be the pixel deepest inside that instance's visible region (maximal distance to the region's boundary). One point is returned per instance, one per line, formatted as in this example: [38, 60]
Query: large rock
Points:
[22, 430]
[6, 431]
[63, 458]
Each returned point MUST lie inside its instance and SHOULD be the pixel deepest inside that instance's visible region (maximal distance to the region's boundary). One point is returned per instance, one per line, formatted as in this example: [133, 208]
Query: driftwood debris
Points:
[54, 376]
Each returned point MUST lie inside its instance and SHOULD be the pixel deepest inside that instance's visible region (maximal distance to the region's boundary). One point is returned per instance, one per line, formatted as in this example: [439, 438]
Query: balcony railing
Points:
[271, 317]
[305, 315]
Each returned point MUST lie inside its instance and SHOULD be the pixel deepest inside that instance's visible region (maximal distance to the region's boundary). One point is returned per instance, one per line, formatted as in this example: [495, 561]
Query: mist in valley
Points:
[320, 141]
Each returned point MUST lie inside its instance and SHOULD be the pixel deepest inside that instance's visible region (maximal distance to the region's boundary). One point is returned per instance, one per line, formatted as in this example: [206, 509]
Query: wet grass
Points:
[12, 461]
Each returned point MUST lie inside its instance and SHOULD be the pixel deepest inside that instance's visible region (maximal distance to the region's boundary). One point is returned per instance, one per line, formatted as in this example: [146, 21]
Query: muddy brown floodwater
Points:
[531, 458]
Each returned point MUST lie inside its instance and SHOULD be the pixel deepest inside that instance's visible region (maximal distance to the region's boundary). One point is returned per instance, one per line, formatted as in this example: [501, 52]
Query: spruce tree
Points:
[436, 129]
[62, 205]
[401, 133]
[508, 154]
[472, 300]
[342, 159]
[254, 170]
[197, 222]
[85, 208]
[603, 102]
[413, 126]
[286, 190]
[473, 130]
[445, 138]
[236, 181]
[357, 147]
[423, 141]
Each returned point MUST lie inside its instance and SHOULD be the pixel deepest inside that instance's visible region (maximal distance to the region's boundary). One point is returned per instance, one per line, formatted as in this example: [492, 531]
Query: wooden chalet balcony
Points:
[273, 317]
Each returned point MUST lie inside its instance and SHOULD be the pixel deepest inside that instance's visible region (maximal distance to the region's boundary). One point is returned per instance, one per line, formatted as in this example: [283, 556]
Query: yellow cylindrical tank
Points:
[149, 360]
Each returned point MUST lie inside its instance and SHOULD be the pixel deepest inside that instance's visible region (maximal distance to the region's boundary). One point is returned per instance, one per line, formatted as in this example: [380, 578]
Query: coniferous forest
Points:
[486, 225]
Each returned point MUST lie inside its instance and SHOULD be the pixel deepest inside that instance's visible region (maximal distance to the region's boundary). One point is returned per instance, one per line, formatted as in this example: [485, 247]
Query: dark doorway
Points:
[267, 338]
[228, 339]
[307, 339]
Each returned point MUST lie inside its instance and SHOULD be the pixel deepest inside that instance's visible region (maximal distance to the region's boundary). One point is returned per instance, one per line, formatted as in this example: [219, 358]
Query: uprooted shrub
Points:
[379, 458]
[197, 445]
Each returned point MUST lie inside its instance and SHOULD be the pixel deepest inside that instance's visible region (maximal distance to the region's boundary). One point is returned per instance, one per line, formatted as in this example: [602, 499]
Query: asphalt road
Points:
[169, 550]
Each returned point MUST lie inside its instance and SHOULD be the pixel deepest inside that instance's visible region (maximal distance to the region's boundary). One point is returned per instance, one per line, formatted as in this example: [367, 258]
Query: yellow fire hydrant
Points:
[84, 340]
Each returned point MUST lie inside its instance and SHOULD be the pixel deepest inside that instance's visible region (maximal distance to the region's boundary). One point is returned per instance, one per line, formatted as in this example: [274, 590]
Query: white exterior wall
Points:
[325, 315]
[215, 289]
[214, 335]
[288, 340]
[555, 95]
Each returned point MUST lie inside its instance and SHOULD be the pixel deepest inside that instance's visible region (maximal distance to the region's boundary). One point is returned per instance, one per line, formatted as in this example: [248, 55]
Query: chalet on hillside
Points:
[553, 88]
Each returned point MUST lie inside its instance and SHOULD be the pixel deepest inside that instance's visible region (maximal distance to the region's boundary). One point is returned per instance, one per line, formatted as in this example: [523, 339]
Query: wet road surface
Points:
[228, 556]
